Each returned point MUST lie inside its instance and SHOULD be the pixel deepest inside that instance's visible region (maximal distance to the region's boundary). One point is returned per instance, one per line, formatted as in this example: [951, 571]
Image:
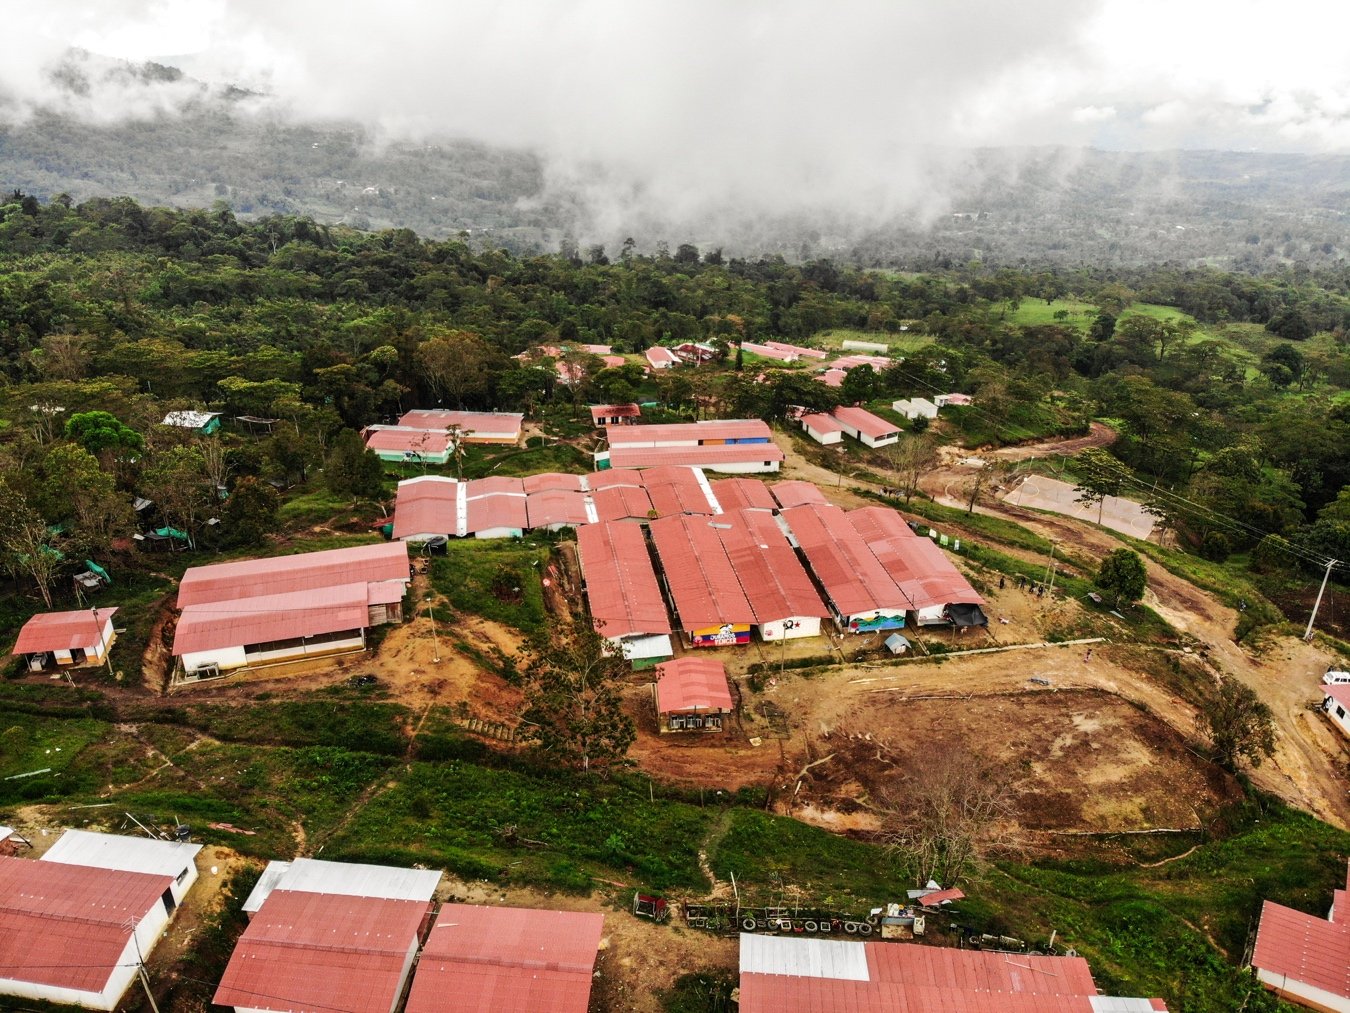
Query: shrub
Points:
[1215, 547]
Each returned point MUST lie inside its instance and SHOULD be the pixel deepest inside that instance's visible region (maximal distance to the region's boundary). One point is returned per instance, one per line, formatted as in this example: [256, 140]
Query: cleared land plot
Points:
[1117, 513]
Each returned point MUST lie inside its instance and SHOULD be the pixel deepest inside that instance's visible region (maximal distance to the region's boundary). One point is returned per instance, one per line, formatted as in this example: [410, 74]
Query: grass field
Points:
[899, 344]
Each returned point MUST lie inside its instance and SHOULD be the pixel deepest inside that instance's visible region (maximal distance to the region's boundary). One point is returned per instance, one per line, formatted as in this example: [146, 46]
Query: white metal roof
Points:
[804, 958]
[267, 882]
[655, 646]
[188, 419]
[124, 854]
[1119, 1004]
[349, 879]
[6, 833]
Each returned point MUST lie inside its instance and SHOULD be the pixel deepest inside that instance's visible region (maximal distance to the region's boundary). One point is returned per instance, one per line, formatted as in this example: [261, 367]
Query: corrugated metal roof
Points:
[124, 854]
[852, 577]
[620, 580]
[506, 960]
[700, 576]
[426, 505]
[877, 362]
[922, 571]
[794, 974]
[657, 355]
[804, 958]
[770, 352]
[354, 879]
[1340, 692]
[814, 353]
[832, 377]
[793, 494]
[677, 489]
[615, 411]
[773, 578]
[302, 571]
[1304, 948]
[820, 423]
[612, 477]
[622, 502]
[554, 506]
[865, 422]
[385, 592]
[269, 617]
[554, 480]
[60, 631]
[743, 494]
[473, 423]
[494, 485]
[322, 953]
[496, 510]
[67, 926]
[693, 432]
[267, 882]
[404, 440]
[692, 684]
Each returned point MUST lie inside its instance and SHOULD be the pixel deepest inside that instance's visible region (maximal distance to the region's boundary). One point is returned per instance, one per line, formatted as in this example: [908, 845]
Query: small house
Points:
[868, 429]
[175, 859]
[692, 695]
[915, 407]
[661, 358]
[697, 352]
[824, 429]
[1336, 704]
[959, 400]
[52, 641]
[615, 414]
[205, 423]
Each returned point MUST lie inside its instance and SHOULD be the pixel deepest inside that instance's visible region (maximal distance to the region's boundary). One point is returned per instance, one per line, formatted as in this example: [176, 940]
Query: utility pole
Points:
[1308, 633]
[140, 966]
[1050, 564]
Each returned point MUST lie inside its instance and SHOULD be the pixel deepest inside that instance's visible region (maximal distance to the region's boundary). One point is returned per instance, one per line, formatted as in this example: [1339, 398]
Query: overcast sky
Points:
[750, 98]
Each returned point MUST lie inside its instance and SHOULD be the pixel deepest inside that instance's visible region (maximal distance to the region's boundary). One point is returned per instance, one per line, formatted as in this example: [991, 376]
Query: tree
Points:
[81, 495]
[251, 512]
[1238, 724]
[976, 487]
[913, 457]
[860, 384]
[1123, 574]
[458, 364]
[572, 695]
[100, 431]
[455, 434]
[1215, 547]
[1102, 475]
[946, 812]
[353, 469]
[23, 539]
[178, 481]
[1291, 325]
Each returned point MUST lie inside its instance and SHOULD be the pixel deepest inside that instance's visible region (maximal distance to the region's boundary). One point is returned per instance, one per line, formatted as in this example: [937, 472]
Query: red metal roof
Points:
[553, 480]
[877, 362]
[426, 505]
[620, 580]
[852, 577]
[742, 494]
[687, 684]
[614, 476]
[865, 422]
[1304, 948]
[473, 423]
[1340, 692]
[910, 978]
[506, 960]
[823, 424]
[657, 355]
[554, 506]
[302, 571]
[690, 432]
[406, 440]
[772, 576]
[496, 510]
[919, 567]
[832, 377]
[614, 411]
[622, 502]
[704, 456]
[67, 926]
[791, 494]
[60, 631]
[243, 621]
[941, 897]
[700, 576]
[770, 351]
[505, 485]
[321, 952]
[675, 489]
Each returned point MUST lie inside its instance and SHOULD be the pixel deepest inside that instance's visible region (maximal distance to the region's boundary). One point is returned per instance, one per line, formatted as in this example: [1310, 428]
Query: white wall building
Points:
[916, 407]
[175, 859]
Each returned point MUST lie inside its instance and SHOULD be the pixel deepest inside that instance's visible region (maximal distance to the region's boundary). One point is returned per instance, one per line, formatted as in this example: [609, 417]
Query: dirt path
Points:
[1308, 767]
[1099, 435]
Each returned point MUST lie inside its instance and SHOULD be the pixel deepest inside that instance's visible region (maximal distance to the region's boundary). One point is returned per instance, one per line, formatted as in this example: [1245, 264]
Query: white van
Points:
[1335, 678]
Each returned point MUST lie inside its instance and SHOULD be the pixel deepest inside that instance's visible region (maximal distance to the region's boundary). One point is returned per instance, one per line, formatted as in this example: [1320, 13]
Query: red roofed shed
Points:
[621, 588]
[692, 694]
[751, 458]
[742, 494]
[554, 480]
[797, 493]
[927, 577]
[709, 601]
[785, 602]
[863, 595]
[1303, 958]
[320, 952]
[426, 506]
[677, 490]
[57, 639]
[506, 960]
[554, 509]
[615, 414]
[65, 930]
[862, 425]
[299, 572]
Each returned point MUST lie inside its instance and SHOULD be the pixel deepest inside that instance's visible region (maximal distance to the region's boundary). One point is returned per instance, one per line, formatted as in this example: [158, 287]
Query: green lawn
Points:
[899, 344]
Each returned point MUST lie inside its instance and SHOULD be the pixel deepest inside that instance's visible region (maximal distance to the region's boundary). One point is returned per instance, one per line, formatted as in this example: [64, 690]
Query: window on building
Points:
[1340, 711]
